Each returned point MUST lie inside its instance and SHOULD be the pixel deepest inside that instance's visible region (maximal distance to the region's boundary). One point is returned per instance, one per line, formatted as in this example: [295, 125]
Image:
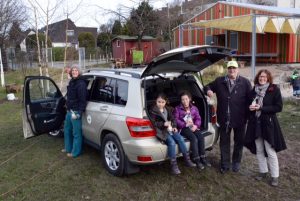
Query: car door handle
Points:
[104, 108]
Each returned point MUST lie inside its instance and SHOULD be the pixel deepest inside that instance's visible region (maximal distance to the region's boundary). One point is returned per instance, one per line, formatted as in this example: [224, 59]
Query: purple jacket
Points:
[179, 113]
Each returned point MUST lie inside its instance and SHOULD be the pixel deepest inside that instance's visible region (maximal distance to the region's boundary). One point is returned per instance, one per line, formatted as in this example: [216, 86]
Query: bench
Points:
[247, 57]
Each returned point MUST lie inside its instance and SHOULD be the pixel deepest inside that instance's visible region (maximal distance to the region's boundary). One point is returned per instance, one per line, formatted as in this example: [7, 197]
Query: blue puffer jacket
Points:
[76, 95]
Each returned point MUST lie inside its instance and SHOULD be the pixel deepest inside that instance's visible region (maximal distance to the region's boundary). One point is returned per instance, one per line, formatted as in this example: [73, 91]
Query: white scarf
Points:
[260, 94]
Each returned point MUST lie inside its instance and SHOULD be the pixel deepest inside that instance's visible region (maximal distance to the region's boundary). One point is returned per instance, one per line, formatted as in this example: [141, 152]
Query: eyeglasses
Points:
[231, 68]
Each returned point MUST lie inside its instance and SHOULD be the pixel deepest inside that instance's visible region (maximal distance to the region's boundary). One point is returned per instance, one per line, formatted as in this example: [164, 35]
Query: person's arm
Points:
[196, 117]
[276, 103]
[82, 95]
[180, 122]
[210, 88]
[172, 119]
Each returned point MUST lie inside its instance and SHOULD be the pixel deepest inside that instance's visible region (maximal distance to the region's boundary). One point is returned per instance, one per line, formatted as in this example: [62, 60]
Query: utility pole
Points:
[169, 27]
[2, 73]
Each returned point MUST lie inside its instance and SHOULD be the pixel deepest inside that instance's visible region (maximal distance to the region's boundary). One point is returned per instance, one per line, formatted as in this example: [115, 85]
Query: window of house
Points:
[118, 43]
[209, 40]
[233, 40]
[70, 32]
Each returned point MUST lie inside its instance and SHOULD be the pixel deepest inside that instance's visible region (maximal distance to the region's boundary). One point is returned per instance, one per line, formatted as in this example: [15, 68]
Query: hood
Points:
[186, 59]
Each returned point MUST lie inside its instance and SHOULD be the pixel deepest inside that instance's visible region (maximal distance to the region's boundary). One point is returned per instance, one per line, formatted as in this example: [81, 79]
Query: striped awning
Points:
[270, 24]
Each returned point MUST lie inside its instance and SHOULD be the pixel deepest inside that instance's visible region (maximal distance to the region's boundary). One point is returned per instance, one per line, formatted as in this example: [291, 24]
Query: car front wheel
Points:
[113, 155]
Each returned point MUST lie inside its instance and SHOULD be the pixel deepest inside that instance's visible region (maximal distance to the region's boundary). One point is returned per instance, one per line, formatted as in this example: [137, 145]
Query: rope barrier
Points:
[40, 173]
[13, 156]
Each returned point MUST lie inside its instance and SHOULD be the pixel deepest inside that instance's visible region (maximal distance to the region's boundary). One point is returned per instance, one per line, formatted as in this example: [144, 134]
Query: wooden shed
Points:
[276, 31]
[123, 47]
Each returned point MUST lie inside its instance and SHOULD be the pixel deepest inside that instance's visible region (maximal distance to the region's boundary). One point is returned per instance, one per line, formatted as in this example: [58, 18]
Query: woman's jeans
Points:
[196, 142]
[73, 135]
[171, 143]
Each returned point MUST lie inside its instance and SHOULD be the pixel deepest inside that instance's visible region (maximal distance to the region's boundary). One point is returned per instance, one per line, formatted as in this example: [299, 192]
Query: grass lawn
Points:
[35, 169]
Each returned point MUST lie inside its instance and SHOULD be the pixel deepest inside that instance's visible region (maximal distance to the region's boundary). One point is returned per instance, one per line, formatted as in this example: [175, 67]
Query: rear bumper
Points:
[150, 148]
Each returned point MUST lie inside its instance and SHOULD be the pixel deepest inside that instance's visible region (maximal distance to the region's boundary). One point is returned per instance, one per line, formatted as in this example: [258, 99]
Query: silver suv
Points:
[116, 119]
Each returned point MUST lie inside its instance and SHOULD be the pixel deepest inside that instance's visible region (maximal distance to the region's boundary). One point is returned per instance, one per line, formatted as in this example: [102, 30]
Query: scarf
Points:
[260, 91]
[230, 83]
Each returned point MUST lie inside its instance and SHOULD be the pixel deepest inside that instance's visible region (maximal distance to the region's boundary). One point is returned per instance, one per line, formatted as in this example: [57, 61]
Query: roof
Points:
[272, 9]
[125, 37]
[287, 20]
[57, 31]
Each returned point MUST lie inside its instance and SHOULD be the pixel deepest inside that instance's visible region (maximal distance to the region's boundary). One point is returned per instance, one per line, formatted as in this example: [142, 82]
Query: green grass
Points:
[35, 169]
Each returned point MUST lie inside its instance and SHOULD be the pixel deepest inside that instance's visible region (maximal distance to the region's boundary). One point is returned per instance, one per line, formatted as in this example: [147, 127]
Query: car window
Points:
[121, 92]
[103, 90]
[40, 89]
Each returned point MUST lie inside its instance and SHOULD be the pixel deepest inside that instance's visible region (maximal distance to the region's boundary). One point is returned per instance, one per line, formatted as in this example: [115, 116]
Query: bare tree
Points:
[46, 15]
[10, 11]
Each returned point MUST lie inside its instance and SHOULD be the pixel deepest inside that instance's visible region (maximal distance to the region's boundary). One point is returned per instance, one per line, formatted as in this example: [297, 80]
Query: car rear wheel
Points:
[113, 155]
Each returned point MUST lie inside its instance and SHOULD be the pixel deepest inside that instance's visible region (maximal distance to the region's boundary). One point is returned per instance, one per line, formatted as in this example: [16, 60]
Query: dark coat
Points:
[76, 95]
[237, 101]
[158, 122]
[270, 128]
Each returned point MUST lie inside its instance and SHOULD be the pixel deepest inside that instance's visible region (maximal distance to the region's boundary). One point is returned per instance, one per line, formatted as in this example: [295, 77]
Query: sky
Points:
[85, 13]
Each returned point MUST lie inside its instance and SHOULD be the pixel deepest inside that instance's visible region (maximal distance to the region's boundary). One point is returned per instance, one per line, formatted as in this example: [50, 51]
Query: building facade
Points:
[273, 44]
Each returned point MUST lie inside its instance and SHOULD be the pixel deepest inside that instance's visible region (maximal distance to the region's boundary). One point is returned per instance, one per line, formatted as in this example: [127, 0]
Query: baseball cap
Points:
[232, 64]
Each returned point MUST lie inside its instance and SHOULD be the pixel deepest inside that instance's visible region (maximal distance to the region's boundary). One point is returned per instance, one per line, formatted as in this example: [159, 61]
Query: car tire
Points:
[56, 133]
[113, 156]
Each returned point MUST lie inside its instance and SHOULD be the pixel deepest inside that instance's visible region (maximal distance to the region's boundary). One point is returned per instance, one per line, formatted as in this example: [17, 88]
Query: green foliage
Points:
[32, 44]
[117, 28]
[58, 53]
[104, 41]
[143, 21]
[87, 40]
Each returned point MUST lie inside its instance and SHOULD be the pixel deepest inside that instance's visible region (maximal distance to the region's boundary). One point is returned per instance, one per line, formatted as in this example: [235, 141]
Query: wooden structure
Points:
[123, 47]
[276, 31]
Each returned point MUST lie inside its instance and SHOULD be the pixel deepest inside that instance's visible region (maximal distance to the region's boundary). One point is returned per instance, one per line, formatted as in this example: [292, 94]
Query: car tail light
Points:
[213, 115]
[140, 127]
[144, 158]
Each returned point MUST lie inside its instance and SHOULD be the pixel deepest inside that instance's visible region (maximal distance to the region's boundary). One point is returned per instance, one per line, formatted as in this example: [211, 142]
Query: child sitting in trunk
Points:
[166, 131]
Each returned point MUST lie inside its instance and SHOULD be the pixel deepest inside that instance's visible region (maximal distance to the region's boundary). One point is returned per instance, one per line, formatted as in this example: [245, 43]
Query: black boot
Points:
[261, 176]
[187, 160]
[174, 167]
[204, 161]
[199, 164]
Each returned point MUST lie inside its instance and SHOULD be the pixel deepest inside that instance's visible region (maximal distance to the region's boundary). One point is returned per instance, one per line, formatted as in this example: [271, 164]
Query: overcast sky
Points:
[87, 13]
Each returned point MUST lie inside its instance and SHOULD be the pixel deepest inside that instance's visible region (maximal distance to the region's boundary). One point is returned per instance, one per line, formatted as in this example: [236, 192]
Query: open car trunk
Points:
[172, 88]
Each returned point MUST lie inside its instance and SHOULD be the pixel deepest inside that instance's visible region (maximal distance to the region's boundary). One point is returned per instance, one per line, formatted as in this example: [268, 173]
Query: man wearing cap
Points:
[232, 91]
[76, 103]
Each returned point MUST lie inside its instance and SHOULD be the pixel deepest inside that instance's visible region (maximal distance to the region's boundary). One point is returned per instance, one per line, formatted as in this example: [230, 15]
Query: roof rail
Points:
[115, 71]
